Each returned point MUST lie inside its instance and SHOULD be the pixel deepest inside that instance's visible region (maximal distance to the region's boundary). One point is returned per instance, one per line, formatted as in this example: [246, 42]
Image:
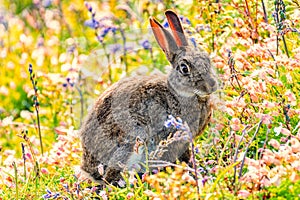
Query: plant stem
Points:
[39, 129]
[16, 179]
[124, 49]
[265, 12]
[285, 46]
[247, 148]
[108, 62]
[24, 160]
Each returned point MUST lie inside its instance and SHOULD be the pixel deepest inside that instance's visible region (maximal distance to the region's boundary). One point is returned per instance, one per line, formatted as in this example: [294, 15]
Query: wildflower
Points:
[165, 24]
[44, 171]
[185, 20]
[103, 195]
[282, 130]
[114, 48]
[47, 3]
[49, 194]
[121, 183]
[274, 143]
[146, 44]
[92, 23]
[129, 195]
[88, 6]
[23, 151]
[176, 122]
[101, 169]
[235, 124]
[193, 40]
[30, 68]
[243, 193]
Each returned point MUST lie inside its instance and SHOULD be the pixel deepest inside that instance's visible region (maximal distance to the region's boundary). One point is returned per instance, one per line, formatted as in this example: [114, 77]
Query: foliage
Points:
[76, 49]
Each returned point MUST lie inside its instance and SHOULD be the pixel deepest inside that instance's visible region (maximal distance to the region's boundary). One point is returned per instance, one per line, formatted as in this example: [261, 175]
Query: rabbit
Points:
[132, 112]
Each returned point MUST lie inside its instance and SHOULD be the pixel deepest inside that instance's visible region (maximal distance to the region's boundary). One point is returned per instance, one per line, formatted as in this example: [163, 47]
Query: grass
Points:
[249, 150]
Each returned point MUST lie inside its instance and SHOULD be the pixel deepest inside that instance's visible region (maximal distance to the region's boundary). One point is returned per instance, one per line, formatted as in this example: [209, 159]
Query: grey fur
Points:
[134, 110]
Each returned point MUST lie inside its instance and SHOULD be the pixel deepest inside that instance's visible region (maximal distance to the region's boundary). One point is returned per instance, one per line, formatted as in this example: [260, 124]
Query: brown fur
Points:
[136, 109]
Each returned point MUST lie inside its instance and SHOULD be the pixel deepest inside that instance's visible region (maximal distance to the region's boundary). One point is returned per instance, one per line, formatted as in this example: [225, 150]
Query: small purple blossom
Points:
[47, 3]
[49, 194]
[185, 20]
[105, 31]
[92, 23]
[176, 122]
[193, 40]
[23, 151]
[88, 6]
[165, 24]
[66, 186]
[146, 44]
[30, 68]
[114, 48]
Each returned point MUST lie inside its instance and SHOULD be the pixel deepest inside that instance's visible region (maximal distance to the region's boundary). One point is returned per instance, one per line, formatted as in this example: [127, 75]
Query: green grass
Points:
[259, 82]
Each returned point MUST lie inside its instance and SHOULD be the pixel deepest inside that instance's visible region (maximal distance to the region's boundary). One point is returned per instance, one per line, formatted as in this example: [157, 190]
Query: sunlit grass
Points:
[256, 109]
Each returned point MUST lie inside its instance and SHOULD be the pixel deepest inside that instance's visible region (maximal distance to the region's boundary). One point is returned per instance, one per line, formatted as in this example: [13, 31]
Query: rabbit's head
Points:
[192, 71]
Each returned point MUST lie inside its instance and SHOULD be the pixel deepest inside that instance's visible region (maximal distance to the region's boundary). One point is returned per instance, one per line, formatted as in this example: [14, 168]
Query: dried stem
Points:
[247, 148]
[237, 151]
[36, 105]
[16, 179]
[265, 12]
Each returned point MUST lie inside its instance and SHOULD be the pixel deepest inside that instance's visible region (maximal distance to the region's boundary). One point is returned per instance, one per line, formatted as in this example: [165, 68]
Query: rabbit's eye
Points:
[184, 69]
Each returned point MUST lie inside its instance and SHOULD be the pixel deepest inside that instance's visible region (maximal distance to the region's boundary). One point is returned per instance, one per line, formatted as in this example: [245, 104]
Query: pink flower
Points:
[295, 144]
[274, 143]
[243, 193]
[266, 119]
[129, 195]
[291, 97]
[282, 130]
[44, 171]
[235, 124]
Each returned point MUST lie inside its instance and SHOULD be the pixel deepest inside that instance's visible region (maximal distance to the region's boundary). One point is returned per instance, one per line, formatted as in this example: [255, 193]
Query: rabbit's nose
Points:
[210, 84]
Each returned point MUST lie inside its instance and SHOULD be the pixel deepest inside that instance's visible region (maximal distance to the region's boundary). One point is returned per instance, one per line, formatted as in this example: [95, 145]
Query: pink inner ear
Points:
[176, 28]
[176, 36]
[159, 34]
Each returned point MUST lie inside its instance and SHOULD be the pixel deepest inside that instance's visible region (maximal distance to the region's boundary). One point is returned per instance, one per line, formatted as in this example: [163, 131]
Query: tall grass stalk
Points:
[16, 179]
[36, 105]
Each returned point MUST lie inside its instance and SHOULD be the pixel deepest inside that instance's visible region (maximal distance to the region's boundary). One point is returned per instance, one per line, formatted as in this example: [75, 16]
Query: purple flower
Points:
[185, 20]
[88, 6]
[66, 186]
[49, 194]
[177, 122]
[47, 3]
[165, 24]
[114, 29]
[105, 31]
[30, 68]
[92, 23]
[193, 40]
[146, 44]
[23, 151]
[114, 48]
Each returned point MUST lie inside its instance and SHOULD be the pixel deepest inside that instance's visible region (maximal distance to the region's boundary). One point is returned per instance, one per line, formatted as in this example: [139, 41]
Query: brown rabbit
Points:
[134, 109]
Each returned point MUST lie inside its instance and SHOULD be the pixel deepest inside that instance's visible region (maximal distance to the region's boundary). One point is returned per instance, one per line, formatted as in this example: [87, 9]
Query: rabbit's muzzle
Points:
[208, 86]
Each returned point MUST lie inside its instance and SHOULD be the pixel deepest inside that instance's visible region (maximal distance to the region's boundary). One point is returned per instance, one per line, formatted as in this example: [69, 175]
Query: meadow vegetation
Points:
[57, 56]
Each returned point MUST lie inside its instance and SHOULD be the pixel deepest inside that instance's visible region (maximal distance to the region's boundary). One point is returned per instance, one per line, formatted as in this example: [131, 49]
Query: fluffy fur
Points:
[134, 109]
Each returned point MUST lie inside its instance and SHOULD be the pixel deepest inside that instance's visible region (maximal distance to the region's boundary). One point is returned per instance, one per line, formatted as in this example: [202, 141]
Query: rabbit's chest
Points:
[196, 113]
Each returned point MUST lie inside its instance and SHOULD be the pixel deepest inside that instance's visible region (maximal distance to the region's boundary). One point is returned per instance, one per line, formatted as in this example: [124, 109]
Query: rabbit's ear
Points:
[176, 28]
[164, 38]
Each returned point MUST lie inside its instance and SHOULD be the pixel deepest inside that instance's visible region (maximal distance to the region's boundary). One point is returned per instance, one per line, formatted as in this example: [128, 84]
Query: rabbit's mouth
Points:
[201, 93]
